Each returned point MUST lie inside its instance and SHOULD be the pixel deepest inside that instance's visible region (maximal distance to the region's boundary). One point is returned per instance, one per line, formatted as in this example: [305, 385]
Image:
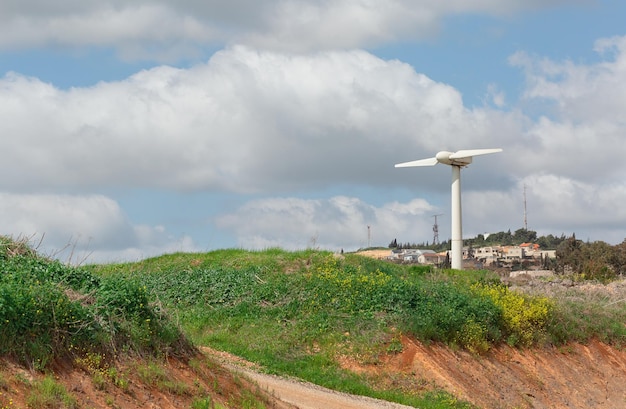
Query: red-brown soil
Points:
[573, 376]
[182, 385]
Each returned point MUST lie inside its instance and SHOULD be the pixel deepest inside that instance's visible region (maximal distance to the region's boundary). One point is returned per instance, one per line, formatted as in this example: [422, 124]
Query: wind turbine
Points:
[456, 160]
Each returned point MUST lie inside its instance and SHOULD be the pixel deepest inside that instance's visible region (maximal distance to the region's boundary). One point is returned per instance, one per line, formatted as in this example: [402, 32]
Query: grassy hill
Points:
[70, 338]
[293, 313]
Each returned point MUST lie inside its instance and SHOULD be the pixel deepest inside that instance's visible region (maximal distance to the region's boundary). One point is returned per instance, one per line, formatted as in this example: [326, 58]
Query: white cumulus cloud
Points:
[79, 229]
[246, 121]
[339, 222]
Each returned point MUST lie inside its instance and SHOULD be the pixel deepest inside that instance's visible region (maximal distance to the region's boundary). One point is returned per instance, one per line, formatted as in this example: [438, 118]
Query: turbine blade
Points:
[473, 152]
[421, 162]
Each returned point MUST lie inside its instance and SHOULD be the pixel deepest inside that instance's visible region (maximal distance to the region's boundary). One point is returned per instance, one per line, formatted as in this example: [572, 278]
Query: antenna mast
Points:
[436, 230]
[525, 218]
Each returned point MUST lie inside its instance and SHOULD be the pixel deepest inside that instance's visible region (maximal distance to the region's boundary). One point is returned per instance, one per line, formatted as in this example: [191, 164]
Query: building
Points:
[512, 253]
[430, 259]
[530, 250]
[488, 255]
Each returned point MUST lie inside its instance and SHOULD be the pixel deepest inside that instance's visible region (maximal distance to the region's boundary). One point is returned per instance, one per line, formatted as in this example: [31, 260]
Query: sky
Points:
[134, 129]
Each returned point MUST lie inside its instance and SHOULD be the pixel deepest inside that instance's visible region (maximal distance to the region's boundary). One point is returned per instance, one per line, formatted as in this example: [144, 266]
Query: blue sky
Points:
[132, 130]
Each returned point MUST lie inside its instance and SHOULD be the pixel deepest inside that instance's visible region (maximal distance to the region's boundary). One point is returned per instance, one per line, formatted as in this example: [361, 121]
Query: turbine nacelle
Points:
[446, 158]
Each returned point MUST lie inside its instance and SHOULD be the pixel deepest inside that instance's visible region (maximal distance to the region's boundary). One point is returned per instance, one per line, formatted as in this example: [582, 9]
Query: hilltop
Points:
[71, 339]
[415, 335]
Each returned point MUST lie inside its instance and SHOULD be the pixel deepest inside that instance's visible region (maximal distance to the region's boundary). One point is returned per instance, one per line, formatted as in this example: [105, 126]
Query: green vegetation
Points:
[48, 394]
[524, 318]
[49, 310]
[292, 312]
[503, 238]
[591, 261]
[295, 312]
[153, 373]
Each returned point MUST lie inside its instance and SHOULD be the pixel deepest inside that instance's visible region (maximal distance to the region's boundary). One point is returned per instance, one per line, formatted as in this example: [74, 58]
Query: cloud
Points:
[569, 159]
[168, 29]
[579, 92]
[89, 228]
[334, 223]
[554, 205]
[581, 127]
[246, 121]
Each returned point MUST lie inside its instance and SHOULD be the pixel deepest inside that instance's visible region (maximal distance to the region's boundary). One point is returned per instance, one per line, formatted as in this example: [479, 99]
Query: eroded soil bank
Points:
[575, 376]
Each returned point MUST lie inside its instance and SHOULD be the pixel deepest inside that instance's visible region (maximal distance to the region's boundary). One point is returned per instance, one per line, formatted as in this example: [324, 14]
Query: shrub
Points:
[524, 317]
[474, 337]
[48, 310]
[348, 288]
[451, 313]
[39, 320]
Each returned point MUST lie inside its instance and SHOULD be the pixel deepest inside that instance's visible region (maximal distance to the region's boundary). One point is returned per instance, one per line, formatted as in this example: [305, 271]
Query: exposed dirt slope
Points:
[168, 385]
[576, 376]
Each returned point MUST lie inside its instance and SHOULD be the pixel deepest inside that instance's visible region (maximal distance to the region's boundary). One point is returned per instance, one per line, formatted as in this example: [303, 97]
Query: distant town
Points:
[525, 254]
[521, 250]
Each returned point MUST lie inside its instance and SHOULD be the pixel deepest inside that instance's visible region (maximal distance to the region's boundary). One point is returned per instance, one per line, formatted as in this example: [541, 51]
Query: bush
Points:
[524, 317]
[448, 312]
[48, 310]
[39, 320]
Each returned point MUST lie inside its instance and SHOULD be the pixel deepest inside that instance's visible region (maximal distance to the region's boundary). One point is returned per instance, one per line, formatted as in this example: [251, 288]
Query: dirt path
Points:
[302, 395]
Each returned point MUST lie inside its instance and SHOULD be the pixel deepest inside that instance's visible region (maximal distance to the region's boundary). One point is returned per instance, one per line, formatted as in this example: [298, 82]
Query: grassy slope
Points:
[104, 329]
[292, 312]
[296, 312]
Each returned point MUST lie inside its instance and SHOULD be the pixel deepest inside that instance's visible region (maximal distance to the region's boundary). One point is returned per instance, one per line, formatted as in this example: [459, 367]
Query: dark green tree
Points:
[619, 262]
[569, 256]
[525, 236]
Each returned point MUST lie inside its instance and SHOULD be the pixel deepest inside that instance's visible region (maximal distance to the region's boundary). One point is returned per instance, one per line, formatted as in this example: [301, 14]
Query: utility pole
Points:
[369, 236]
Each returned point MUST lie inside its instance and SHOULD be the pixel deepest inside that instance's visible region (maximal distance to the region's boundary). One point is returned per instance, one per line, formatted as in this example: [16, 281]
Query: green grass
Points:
[48, 394]
[50, 311]
[154, 373]
[294, 312]
[291, 312]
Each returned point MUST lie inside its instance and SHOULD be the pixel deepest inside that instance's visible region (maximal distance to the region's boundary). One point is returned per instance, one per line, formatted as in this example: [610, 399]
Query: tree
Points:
[597, 260]
[619, 261]
[525, 236]
[550, 242]
[569, 256]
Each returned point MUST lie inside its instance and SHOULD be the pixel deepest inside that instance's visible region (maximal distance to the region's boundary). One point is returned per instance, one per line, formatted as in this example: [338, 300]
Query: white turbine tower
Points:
[457, 160]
